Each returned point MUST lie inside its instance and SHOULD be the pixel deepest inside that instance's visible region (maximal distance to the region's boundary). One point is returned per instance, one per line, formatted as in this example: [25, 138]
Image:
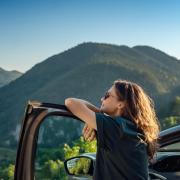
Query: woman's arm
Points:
[89, 133]
[84, 110]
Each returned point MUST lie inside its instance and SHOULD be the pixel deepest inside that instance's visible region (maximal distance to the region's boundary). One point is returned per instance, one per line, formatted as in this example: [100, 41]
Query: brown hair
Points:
[139, 108]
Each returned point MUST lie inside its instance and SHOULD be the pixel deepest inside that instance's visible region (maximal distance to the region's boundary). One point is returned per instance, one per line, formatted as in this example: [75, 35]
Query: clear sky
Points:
[33, 30]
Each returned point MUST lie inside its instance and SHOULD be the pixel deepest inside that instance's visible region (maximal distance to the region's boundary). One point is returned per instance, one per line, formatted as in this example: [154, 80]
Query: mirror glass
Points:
[80, 166]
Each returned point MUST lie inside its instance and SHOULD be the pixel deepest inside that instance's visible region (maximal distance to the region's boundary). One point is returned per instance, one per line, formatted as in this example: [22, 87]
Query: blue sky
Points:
[33, 30]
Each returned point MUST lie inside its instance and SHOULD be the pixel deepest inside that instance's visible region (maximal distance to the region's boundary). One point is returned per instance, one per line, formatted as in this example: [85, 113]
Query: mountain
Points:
[86, 71]
[8, 76]
[171, 105]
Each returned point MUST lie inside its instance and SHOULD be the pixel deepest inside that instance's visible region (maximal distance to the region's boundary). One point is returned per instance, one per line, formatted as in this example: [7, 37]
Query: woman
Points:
[127, 131]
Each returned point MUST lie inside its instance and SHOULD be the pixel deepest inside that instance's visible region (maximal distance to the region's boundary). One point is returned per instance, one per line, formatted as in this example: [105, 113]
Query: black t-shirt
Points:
[121, 151]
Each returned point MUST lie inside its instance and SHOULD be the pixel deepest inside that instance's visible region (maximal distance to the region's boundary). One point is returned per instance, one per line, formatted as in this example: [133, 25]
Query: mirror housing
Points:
[79, 166]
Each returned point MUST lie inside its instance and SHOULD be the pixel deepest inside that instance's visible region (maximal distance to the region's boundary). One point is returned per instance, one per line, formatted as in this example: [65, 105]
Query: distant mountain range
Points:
[8, 76]
[87, 71]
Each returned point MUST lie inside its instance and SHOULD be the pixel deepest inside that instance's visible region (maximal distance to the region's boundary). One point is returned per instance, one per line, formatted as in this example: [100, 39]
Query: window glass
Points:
[171, 147]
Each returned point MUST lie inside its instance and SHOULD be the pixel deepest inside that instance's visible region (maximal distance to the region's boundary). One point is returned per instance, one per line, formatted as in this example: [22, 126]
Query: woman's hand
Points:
[88, 133]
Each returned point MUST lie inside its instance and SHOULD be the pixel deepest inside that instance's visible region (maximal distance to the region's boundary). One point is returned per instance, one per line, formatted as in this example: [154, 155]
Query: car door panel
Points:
[35, 113]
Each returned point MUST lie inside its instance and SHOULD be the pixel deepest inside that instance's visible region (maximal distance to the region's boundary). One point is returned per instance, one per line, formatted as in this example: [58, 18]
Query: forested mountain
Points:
[87, 71]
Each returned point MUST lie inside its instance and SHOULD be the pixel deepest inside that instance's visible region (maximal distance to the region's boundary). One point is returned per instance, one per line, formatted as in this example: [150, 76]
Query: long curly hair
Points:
[139, 108]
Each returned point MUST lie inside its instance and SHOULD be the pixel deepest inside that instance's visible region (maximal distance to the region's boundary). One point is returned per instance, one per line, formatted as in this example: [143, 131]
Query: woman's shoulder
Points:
[126, 122]
[129, 127]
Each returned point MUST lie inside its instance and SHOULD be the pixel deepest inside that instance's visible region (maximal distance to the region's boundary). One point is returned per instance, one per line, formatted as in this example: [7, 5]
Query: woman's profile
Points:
[126, 129]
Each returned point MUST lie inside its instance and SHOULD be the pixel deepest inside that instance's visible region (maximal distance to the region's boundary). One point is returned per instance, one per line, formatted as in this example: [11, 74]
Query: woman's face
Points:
[111, 104]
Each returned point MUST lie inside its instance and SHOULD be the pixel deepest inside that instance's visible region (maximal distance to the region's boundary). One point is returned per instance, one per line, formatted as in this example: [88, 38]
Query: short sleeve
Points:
[108, 130]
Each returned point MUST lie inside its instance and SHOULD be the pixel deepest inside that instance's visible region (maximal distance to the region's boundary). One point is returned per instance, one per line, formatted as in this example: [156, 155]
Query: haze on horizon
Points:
[32, 31]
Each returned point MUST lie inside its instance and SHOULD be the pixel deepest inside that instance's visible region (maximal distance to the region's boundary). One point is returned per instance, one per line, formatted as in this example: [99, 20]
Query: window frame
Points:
[35, 114]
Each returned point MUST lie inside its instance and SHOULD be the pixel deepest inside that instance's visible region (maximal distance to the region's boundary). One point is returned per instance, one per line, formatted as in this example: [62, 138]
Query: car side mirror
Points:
[79, 166]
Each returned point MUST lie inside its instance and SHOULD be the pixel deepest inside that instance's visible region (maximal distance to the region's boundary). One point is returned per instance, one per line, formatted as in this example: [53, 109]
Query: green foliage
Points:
[170, 110]
[88, 63]
[86, 146]
[170, 122]
[81, 167]
[7, 173]
[176, 106]
[70, 152]
[79, 146]
[43, 154]
[7, 154]
[50, 161]
[52, 170]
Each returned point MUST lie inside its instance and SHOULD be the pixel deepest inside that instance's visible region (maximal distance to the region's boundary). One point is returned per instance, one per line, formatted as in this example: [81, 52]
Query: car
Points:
[166, 165]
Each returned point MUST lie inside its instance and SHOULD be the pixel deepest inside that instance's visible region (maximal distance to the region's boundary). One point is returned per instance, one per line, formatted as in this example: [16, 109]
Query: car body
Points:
[167, 162]
[165, 165]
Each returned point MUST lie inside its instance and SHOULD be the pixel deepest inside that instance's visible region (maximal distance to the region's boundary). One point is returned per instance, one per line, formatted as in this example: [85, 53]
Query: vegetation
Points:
[50, 162]
[172, 114]
[170, 122]
[82, 166]
[7, 172]
[85, 71]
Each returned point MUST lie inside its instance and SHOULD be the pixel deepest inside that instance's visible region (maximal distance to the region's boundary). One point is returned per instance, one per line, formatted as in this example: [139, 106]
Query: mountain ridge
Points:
[85, 71]
[7, 76]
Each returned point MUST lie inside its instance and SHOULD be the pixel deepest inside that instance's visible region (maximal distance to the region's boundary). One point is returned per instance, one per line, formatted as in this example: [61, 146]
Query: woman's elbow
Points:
[69, 101]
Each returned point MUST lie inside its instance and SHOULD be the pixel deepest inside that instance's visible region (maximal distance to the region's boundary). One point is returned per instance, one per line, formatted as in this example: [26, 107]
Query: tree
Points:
[8, 172]
[53, 170]
[176, 106]
[170, 122]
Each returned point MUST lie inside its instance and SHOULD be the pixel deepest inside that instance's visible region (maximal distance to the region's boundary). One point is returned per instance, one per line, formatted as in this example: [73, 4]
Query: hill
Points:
[8, 76]
[86, 71]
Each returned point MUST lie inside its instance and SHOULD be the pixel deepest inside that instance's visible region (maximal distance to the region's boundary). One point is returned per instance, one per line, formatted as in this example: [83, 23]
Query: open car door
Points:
[35, 114]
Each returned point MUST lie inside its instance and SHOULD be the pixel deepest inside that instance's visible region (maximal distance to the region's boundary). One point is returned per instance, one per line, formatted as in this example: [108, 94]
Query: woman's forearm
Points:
[88, 104]
[83, 110]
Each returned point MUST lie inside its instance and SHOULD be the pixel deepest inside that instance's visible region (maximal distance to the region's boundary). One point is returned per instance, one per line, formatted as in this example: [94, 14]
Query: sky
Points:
[33, 30]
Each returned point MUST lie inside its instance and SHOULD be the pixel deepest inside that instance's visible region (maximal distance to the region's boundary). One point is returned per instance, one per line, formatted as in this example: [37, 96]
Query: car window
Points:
[167, 161]
[171, 147]
[59, 138]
